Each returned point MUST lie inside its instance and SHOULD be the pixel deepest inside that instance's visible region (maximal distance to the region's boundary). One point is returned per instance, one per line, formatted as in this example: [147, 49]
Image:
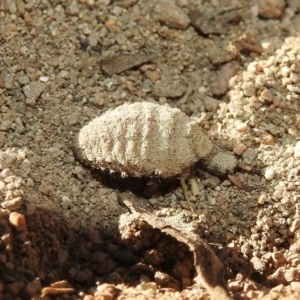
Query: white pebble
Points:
[269, 173]
[44, 78]
[262, 199]
[249, 89]
[297, 150]
[202, 218]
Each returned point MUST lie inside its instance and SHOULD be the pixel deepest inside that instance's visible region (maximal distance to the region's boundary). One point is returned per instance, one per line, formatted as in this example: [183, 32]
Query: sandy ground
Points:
[68, 231]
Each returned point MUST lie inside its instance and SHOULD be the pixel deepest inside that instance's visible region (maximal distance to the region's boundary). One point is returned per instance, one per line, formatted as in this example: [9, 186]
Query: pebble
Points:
[295, 225]
[210, 103]
[248, 88]
[271, 9]
[161, 278]
[239, 149]
[262, 199]
[227, 71]
[32, 92]
[258, 264]
[168, 90]
[12, 204]
[267, 95]
[45, 188]
[17, 221]
[291, 274]
[180, 270]
[6, 160]
[9, 81]
[297, 150]
[235, 286]
[168, 13]
[289, 152]
[269, 173]
[32, 288]
[122, 62]
[278, 258]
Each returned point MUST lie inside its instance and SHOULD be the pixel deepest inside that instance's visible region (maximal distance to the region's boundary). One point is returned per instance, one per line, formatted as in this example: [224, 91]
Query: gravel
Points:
[233, 65]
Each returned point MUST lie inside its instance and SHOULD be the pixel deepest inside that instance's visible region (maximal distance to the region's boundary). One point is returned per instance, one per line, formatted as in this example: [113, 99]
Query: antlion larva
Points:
[146, 139]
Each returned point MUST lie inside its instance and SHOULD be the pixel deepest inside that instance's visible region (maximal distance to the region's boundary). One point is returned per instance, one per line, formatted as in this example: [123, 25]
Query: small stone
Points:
[235, 286]
[291, 274]
[268, 139]
[297, 150]
[168, 13]
[5, 125]
[168, 90]
[6, 160]
[239, 149]
[12, 204]
[30, 209]
[2, 139]
[148, 286]
[271, 9]
[9, 81]
[267, 95]
[295, 225]
[258, 264]
[24, 79]
[210, 103]
[17, 221]
[180, 270]
[2, 186]
[161, 278]
[45, 189]
[154, 76]
[249, 88]
[288, 152]
[269, 173]
[32, 92]
[32, 288]
[73, 9]
[44, 78]
[293, 88]
[278, 258]
[221, 83]
[295, 285]
[262, 199]
[242, 127]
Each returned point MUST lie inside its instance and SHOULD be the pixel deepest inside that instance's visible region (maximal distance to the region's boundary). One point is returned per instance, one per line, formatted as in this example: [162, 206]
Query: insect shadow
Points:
[140, 186]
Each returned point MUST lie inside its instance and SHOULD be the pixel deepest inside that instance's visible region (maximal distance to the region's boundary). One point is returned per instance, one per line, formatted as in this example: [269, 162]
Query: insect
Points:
[145, 139]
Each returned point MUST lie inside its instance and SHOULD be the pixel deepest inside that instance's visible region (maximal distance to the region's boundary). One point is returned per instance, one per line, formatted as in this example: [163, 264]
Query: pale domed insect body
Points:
[144, 139]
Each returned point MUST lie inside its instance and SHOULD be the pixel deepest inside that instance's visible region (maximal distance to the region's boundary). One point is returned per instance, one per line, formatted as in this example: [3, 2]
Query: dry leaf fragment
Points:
[122, 62]
[59, 287]
[237, 182]
[245, 45]
[209, 268]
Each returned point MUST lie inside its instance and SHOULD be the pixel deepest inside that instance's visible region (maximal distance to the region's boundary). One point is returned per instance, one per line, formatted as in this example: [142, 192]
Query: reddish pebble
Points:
[17, 221]
[242, 127]
[110, 23]
[267, 95]
[239, 149]
[271, 9]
